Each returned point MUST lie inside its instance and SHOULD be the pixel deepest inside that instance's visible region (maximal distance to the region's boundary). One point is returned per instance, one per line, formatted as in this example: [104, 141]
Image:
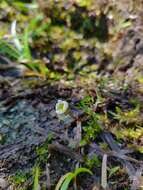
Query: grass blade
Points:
[61, 180]
[67, 181]
[36, 179]
[82, 170]
[8, 50]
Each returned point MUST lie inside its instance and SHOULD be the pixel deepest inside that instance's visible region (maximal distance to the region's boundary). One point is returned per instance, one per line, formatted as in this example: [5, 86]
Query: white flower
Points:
[61, 107]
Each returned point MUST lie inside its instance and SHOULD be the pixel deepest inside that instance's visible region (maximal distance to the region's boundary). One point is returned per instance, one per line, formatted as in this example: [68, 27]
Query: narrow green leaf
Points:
[26, 50]
[36, 179]
[67, 181]
[8, 50]
[61, 180]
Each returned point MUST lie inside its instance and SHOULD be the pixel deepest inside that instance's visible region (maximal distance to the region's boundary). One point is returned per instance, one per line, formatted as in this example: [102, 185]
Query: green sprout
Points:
[66, 179]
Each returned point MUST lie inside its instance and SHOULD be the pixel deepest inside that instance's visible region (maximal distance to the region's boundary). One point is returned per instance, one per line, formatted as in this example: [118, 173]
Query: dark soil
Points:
[30, 131]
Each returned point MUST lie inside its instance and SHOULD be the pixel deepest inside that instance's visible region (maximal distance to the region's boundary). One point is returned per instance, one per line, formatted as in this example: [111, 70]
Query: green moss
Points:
[92, 127]
[128, 117]
[93, 162]
[20, 178]
[42, 151]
